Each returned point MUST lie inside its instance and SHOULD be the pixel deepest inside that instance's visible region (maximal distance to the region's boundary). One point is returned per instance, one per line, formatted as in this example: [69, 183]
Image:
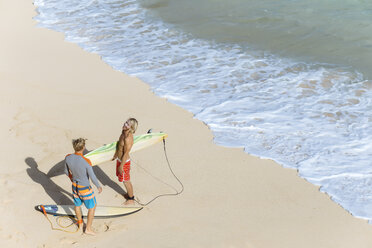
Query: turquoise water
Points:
[286, 80]
[328, 31]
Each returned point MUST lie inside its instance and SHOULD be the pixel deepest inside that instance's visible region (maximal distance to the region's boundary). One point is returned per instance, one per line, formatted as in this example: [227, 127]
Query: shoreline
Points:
[54, 91]
[246, 107]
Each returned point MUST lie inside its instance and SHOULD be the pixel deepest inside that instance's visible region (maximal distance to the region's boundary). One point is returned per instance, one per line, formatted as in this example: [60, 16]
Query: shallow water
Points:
[260, 75]
[320, 31]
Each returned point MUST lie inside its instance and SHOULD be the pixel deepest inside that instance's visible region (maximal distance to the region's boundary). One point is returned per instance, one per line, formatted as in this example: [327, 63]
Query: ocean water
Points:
[286, 80]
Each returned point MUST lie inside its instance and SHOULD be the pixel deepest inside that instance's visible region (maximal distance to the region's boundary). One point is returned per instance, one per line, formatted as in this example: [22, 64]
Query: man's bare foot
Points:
[80, 225]
[129, 202]
[90, 232]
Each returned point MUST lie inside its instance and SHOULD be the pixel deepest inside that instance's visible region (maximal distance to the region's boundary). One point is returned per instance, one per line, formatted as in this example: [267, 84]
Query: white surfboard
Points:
[106, 152]
[101, 211]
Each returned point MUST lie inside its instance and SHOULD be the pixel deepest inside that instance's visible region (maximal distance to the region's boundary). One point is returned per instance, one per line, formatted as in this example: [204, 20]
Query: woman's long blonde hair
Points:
[133, 123]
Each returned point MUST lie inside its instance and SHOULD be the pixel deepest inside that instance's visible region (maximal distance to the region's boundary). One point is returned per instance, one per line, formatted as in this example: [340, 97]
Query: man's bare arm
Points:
[127, 147]
[118, 150]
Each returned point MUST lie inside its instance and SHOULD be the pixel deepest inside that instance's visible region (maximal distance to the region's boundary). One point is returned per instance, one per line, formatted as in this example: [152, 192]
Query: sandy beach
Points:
[53, 91]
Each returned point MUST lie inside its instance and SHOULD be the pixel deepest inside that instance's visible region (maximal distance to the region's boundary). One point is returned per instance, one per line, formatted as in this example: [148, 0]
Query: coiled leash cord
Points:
[167, 194]
[74, 221]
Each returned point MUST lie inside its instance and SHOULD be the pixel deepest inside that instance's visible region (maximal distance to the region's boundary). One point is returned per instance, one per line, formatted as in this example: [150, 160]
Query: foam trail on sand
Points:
[309, 116]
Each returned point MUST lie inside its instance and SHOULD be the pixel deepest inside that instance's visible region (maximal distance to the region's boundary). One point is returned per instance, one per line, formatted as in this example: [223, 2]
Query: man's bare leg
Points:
[129, 188]
[89, 230]
[79, 217]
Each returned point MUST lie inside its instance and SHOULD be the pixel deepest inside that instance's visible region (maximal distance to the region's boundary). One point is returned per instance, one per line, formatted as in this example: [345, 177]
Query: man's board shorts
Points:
[125, 176]
[83, 194]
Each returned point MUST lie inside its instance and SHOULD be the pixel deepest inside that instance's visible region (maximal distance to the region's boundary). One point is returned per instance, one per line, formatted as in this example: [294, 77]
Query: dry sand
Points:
[52, 91]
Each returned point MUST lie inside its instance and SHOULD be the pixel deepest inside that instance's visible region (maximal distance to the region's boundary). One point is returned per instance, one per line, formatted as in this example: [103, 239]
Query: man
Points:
[79, 169]
[123, 148]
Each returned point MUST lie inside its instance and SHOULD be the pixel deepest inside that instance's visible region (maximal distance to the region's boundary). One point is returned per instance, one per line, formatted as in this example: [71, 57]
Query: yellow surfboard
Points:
[106, 152]
[101, 211]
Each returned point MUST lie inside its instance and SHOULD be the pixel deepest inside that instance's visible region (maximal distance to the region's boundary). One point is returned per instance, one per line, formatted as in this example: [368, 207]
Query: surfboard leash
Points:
[171, 170]
[59, 223]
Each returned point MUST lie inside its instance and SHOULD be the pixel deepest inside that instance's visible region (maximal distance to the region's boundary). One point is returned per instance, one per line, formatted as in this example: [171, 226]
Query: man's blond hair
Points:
[133, 123]
[78, 144]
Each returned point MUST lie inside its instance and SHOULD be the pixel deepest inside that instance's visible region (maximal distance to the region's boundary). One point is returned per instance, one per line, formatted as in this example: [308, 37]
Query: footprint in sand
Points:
[5, 184]
[7, 201]
[37, 131]
[105, 227]
[20, 236]
[67, 241]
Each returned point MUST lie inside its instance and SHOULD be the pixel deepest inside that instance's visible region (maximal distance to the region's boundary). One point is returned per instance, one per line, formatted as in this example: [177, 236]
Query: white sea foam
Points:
[312, 117]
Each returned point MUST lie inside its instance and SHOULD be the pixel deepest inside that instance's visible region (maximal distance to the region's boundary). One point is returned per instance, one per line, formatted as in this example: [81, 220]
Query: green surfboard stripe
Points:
[138, 139]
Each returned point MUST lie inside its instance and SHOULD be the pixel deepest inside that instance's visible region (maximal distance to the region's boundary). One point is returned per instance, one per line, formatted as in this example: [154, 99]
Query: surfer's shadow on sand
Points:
[103, 178]
[55, 192]
[106, 180]
[59, 168]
